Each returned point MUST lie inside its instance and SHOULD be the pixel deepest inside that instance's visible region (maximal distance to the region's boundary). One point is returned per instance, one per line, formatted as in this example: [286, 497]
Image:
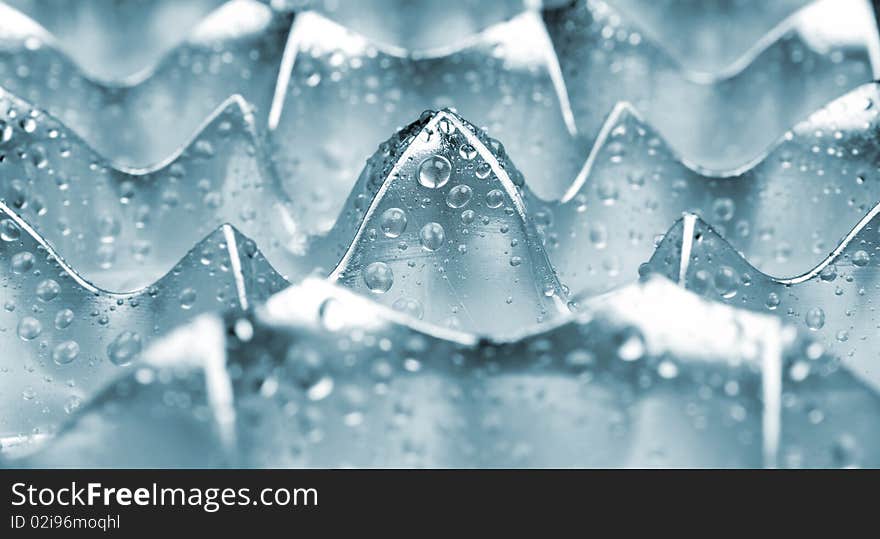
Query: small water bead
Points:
[5, 132]
[483, 171]
[607, 191]
[321, 389]
[29, 125]
[29, 328]
[63, 318]
[445, 126]
[378, 277]
[9, 231]
[432, 236]
[22, 262]
[65, 352]
[434, 172]
[410, 306]
[72, 404]
[772, 300]
[187, 298]
[468, 216]
[48, 290]
[815, 318]
[393, 222]
[17, 195]
[124, 348]
[726, 282]
[861, 258]
[467, 152]
[828, 273]
[632, 346]
[494, 198]
[723, 209]
[515, 261]
[599, 236]
[108, 228]
[459, 196]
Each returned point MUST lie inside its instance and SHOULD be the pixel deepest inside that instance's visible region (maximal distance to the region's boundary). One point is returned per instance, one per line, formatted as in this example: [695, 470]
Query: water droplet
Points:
[72, 404]
[632, 347]
[29, 328]
[467, 152]
[723, 209]
[29, 125]
[494, 198]
[434, 172]
[48, 290]
[9, 231]
[124, 348]
[772, 300]
[459, 196]
[5, 132]
[321, 389]
[393, 222]
[607, 191]
[815, 318]
[432, 236]
[468, 216]
[187, 298]
[65, 352]
[445, 126]
[667, 369]
[726, 282]
[483, 171]
[108, 228]
[828, 273]
[63, 318]
[412, 307]
[861, 258]
[22, 262]
[378, 277]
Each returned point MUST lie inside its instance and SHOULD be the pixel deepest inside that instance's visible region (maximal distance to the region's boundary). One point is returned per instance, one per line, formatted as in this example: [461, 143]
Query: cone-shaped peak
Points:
[437, 226]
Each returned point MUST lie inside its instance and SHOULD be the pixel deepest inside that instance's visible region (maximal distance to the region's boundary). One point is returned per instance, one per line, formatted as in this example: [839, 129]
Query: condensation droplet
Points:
[434, 172]
[432, 236]
[378, 277]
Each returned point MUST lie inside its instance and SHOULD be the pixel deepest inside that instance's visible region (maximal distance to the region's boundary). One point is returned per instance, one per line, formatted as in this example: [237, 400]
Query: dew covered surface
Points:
[622, 234]
[335, 382]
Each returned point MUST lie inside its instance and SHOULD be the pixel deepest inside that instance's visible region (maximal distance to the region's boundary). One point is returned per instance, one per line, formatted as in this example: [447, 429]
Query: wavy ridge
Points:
[632, 185]
[65, 328]
[589, 235]
[833, 300]
[148, 116]
[689, 108]
[144, 219]
[558, 88]
[307, 318]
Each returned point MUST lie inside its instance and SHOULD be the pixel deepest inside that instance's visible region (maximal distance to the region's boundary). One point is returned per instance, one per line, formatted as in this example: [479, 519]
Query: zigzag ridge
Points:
[59, 327]
[552, 86]
[834, 300]
[589, 234]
